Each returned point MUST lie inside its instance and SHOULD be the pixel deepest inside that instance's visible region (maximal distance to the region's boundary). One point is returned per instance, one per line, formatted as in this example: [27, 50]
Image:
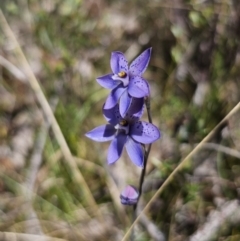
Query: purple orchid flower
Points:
[128, 131]
[126, 82]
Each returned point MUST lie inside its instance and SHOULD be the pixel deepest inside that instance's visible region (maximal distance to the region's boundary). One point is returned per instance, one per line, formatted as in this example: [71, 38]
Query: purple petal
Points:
[124, 103]
[102, 133]
[118, 62]
[144, 132]
[139, 65]
[114, 96]
[130, 192]
[116, 148]
[135, 152]
[129, 196]
[112, 115]
[135, 110]
[138, 87]
[106, 81]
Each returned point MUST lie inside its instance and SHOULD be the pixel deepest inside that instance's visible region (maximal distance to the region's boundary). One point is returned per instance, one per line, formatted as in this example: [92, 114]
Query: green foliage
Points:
[192, 192]
[69, 117]
[173, 107]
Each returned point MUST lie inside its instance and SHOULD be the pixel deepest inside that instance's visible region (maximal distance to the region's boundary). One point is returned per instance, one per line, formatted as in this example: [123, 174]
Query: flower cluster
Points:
[123, 109]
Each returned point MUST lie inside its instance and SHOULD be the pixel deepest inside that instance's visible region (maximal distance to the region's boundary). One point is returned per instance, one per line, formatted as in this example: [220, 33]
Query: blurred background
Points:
[194, 76]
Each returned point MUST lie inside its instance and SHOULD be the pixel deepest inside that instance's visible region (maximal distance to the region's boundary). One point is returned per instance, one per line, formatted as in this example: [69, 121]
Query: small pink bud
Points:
[129, 195]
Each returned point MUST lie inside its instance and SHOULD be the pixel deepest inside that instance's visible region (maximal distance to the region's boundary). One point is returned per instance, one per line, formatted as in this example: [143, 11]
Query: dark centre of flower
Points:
[122, 74]
[123, 123]
[122, 126]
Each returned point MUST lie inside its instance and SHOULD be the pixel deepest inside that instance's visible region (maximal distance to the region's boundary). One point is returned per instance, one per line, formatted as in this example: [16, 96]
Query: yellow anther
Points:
[122, 74]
